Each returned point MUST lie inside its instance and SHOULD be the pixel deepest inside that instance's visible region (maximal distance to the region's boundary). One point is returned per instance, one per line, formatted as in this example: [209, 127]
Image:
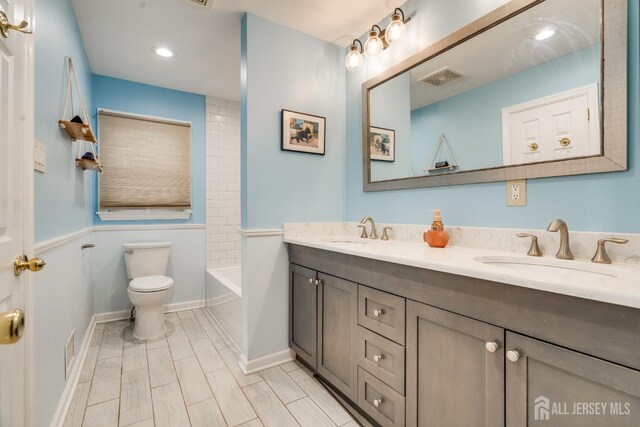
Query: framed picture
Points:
[382, 144]
[303, 132]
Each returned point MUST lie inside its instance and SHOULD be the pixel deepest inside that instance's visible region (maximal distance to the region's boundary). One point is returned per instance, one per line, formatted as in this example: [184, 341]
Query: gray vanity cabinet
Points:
[413, 347]
[337, 333]
[303, 294]
[547, 385]
[455, 370]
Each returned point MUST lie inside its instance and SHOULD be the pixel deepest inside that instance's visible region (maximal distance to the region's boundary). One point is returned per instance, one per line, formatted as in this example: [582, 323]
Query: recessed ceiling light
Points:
[163, 51]
[545, 33]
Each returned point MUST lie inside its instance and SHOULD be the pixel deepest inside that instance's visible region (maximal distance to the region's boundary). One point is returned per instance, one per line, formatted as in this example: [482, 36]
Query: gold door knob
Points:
[5, 26]
[565, 142]
[11, 326]
[533, 146]
[22, 263]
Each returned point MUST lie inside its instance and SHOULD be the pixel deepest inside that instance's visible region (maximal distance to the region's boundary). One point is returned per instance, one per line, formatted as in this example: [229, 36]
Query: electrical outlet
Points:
[517, 192]
[69, 353]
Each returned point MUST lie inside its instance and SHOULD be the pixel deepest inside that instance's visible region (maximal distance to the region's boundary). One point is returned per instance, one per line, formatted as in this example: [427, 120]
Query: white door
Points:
[564, 125]
[16, 149]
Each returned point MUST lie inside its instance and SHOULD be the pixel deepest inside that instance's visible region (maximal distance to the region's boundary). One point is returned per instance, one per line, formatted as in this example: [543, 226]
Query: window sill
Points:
[142, 215]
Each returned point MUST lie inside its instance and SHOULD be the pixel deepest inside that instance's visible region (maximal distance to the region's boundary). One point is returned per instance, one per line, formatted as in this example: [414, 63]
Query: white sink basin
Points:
[576, 269]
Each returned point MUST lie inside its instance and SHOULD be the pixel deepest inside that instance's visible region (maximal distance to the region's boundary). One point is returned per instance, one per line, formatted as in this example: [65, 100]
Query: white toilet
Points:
[150, 288]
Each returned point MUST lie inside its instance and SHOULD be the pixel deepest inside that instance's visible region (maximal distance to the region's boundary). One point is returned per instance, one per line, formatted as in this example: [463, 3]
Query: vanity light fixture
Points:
[377, 41]
[163, 51]
[354, 59]
[545, 33]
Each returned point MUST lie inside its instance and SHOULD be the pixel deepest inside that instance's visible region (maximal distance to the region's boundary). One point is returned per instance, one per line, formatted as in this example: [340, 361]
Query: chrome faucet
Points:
[373, 234]
[564, 252]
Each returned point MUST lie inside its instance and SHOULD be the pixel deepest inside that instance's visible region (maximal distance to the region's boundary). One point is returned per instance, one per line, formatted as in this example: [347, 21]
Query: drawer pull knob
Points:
[378, 312]
[311, 280]
[492, 346]
[378, 357]
[377, 402]
[513, 355]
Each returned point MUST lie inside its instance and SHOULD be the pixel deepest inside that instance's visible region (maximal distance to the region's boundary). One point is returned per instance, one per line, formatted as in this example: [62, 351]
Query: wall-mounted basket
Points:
[79, 128]
[443, 158]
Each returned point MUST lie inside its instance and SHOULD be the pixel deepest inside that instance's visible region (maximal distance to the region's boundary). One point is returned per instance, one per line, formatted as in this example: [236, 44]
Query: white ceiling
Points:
[510, 48]
[118, 36]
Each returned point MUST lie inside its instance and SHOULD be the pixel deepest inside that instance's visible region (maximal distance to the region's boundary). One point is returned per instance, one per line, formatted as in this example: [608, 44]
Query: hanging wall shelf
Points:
[78, 131]
[443, 158]
[79, 127]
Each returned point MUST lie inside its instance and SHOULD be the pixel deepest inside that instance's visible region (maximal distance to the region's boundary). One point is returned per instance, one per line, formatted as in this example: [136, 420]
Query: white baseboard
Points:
[254, 365]
[187, 305]
[168, 308]
[70, 387]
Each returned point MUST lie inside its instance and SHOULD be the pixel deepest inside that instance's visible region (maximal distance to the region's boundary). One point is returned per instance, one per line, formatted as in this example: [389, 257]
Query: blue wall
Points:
[478, 144]
[137, 98]
[64, 194]
[283, 68]
[63, 204]
[599, 202]
[290, 70]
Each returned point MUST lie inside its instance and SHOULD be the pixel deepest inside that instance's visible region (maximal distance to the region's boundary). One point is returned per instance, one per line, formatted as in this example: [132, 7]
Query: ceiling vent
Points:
[203, 2]
[443, 77]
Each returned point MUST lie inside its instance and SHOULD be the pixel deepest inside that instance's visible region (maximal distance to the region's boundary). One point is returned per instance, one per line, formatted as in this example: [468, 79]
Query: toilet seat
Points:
[150, 284]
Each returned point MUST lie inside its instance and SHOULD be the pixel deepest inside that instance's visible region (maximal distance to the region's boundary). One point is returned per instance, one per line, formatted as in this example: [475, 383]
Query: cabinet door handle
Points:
[378, 312]
[318, 282]
[378, 357]
[311, 280]
[377, 402]
[492, 346]
[513, 355]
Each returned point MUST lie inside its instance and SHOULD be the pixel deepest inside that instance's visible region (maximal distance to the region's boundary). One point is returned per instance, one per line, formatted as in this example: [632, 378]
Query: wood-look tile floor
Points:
[190, 377]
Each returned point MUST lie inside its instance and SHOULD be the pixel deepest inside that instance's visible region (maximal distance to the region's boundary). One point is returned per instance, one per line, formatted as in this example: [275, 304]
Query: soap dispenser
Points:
[436, 237]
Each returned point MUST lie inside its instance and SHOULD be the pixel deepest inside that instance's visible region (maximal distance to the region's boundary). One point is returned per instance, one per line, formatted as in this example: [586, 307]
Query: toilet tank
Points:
[146, 259]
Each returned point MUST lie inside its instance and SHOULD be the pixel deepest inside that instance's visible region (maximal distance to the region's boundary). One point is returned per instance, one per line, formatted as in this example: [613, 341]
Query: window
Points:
[147, 167]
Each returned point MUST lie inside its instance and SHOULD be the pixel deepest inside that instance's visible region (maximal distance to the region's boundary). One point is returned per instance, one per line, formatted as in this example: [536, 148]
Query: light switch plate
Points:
[40, 157]
[517, 192]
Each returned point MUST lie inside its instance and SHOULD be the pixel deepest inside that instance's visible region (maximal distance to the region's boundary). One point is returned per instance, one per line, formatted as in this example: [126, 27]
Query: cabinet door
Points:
[337, 333]
[452, 379]
[550, 386]
[303, 313]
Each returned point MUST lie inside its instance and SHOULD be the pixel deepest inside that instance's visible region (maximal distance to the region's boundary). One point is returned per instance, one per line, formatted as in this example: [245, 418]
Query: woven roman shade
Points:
[146, 162]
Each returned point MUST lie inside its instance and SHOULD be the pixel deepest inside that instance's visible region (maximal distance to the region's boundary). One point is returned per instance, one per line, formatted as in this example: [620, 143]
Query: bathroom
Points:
[265, 261]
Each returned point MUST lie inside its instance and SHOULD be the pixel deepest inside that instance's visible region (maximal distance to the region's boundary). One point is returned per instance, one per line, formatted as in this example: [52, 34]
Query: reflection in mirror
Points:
[524, 91]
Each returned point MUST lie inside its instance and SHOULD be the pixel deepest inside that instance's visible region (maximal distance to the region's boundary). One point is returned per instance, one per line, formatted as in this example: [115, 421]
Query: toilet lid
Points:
[151, 283]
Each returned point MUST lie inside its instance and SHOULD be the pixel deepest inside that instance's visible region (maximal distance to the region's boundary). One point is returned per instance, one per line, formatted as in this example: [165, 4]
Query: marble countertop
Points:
[617, 283]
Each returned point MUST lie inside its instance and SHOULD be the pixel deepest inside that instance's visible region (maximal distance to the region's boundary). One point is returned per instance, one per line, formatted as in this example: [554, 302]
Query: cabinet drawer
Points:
[380, 401]
[382, 313]
[382, 357]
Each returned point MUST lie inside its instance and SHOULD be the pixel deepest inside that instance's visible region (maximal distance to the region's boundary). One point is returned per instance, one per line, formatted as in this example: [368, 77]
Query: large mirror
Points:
[521, 93]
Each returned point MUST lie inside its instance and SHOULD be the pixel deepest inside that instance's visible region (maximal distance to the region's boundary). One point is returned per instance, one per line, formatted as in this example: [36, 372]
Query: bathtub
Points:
[222, 281]
[224, 303]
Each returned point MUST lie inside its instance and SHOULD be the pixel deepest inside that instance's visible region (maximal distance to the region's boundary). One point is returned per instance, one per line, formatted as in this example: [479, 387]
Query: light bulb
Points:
[354, 59]
[373, 46]
[545, 33]
[396, 29]
[163, 51]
